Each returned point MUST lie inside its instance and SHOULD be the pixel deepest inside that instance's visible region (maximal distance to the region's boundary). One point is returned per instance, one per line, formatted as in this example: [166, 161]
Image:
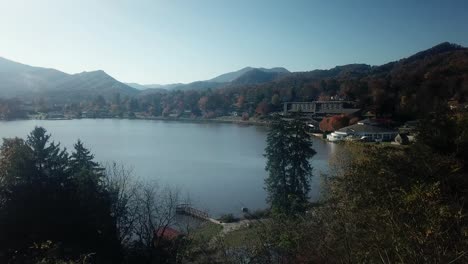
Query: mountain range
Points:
[24, 81]
[247, 75]
[28, 82]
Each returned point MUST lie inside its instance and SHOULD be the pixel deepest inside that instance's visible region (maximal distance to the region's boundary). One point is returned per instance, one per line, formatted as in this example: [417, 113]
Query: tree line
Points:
[58, 206]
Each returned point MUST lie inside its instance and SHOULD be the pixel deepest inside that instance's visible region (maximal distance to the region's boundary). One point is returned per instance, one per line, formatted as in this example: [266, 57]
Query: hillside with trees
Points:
[404, 90]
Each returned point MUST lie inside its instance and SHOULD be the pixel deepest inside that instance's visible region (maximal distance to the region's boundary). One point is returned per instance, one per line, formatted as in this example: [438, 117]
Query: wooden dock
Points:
[186, 209]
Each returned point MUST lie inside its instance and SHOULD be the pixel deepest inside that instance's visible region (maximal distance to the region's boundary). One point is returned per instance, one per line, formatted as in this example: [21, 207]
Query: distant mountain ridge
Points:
[20, 80]
[152, 86]
[88, 85]
[17, 78]
[231, 76]
[445, 59]
[247, 75]
[258, 76]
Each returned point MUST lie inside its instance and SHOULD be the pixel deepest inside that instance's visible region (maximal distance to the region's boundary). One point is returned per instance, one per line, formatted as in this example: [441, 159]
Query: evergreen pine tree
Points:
[82, 159]
[38, 205]
[40, 201]
[50, 159]
[95, 201]
[288, 152]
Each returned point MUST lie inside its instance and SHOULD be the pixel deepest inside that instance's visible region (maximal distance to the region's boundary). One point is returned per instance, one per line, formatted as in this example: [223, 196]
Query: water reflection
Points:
[220, 166]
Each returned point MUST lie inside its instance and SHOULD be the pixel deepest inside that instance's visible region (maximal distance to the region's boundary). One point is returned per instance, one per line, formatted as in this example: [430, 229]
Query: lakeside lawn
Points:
[206, 232]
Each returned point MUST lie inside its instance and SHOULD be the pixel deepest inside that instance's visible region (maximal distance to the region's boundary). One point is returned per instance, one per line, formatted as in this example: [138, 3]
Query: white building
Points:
[320, 108]
[364, 132]
[336, 136]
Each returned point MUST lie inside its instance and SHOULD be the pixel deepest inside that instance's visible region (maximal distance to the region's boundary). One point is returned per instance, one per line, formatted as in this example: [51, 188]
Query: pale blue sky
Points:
[152, 41]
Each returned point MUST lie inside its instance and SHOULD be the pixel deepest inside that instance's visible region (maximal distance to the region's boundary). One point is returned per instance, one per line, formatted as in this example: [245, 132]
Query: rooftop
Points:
[339, 111]
[167, 233]
[320, 102]
[364, 128]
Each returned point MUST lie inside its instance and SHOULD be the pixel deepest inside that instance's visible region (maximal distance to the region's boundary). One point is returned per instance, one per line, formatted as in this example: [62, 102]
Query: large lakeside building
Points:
[363, 131]
[320, 108]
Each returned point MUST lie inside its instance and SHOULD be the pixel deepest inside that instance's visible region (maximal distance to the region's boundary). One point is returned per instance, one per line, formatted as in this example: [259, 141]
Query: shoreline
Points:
[214, 120]
[188, 120]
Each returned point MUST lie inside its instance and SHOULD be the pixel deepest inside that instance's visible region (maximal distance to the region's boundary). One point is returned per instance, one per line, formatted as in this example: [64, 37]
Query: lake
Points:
[219, 166]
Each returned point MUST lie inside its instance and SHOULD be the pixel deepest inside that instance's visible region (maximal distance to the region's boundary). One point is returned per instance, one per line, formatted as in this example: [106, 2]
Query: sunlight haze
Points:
[185, 41]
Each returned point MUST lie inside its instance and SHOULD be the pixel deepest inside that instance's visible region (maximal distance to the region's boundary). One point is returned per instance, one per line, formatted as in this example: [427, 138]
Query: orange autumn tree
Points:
[262, 108]
[240, 101]
[202, 103]
[332, 123]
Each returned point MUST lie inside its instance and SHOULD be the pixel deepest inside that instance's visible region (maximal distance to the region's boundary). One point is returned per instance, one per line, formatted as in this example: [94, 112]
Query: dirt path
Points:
[229, 227]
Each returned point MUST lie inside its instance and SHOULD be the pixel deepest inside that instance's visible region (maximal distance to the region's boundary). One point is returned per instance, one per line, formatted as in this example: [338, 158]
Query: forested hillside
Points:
[404, 89]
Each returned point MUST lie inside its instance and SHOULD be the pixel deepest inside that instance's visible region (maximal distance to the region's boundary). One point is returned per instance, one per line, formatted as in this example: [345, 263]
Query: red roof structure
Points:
[167, 233]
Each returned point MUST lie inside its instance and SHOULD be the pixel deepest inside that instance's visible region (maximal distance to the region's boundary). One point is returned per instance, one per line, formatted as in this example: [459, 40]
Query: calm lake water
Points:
[219, 166]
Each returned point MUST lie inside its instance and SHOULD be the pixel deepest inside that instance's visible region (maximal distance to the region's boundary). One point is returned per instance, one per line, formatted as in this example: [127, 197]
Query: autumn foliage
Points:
[262, 108]
[406, 89]
[332, 123]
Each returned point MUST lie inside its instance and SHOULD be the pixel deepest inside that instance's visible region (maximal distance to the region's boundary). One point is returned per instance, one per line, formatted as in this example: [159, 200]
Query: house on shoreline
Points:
[363, 131]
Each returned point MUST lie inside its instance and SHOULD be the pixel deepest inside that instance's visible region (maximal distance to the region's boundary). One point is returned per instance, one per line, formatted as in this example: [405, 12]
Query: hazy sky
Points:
[181, 41]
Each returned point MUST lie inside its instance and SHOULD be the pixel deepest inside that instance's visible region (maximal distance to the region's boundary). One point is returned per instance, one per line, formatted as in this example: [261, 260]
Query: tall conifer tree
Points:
[288, 153]
[82, 159]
